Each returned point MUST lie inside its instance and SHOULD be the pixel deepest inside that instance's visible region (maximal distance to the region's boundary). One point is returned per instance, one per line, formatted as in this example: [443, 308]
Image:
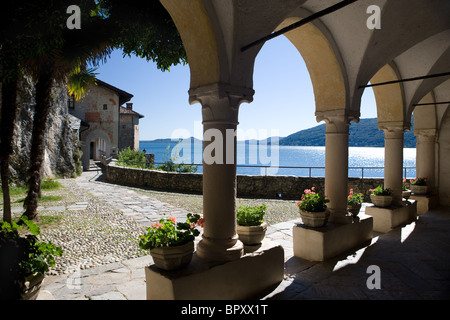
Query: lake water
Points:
[275, 158]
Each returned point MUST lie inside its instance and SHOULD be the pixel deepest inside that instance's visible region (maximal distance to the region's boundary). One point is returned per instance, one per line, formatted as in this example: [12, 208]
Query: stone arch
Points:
[326, 74]
[92, 137]
[425, 116]
[197, 34]
[390, 97]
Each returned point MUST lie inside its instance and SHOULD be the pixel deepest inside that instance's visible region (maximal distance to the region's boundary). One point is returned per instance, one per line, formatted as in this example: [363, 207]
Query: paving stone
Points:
[56, 208]
[115, 295]
[414, 262]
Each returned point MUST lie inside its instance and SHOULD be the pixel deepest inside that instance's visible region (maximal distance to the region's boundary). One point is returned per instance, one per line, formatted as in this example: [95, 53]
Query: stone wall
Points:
[265, 187]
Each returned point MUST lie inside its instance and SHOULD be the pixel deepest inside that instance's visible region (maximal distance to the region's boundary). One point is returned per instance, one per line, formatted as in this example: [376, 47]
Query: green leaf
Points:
[34, 229]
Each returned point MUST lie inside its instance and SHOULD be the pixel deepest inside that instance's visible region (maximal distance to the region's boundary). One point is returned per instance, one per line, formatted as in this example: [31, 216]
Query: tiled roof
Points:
[124, 110]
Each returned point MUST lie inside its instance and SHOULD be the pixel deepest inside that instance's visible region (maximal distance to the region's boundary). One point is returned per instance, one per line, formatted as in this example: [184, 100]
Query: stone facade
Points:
[101, 114]
[129, 127]
[266, 187]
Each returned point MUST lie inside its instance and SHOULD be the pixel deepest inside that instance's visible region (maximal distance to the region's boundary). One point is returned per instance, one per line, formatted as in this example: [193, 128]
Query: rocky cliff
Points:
[62, 155]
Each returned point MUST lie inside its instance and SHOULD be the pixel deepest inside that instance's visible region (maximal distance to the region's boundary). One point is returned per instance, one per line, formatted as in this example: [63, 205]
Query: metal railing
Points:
[363, 170]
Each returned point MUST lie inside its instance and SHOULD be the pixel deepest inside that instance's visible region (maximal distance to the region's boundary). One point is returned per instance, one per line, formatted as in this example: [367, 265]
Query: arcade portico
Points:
[402, 50]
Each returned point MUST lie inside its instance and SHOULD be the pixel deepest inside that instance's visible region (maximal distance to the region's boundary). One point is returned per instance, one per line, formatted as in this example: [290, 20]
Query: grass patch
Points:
[50, 184]
[16, 191]
[48, 221]
[49, 198]
[42, 199]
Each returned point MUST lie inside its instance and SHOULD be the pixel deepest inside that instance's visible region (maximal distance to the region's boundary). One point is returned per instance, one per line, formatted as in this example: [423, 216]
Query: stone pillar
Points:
[425, 154]
[336, 163]
[393, 160]
[220, 106]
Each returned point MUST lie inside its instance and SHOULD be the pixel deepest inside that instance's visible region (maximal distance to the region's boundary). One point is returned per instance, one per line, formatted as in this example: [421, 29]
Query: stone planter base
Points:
[386, 219]
[172, 258]
[425, 203]
[250, 277]
[331, 240]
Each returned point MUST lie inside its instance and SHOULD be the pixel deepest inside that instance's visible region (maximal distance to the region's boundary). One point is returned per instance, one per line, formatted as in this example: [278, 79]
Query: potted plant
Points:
[419, 185]
[313, 208]
[171, 243]
[354, 201]
[24, 259]
[406, 193]
[381, 197]
[251, 227]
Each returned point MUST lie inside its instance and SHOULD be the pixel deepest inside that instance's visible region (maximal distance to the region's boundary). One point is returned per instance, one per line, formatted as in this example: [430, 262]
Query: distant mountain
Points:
[362, 134]
[169, 140]
[365, 133]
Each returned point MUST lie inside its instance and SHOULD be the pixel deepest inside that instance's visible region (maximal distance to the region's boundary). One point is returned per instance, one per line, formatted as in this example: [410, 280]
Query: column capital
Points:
[337, 121]
[393, 129]
[220, 102]
[393, 126]
[427, 134]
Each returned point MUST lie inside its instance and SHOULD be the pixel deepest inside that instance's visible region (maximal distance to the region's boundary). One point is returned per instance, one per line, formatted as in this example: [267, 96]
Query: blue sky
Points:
[283, 102]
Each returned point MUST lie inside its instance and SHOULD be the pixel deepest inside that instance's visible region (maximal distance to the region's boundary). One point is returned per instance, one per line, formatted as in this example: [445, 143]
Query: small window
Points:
[71, 102]
[105, 107]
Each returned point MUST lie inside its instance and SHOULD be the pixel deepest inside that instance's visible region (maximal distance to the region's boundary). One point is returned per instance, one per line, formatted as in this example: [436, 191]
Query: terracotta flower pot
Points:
[172, 258]
[354, 209]
[252, 235]
[419, 189]
[381, 201]
[314, 219]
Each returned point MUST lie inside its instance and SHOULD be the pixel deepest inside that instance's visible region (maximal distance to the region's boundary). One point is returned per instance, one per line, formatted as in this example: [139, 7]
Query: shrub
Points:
[169, 233]
[312, 201]
[50, 184]
[354, 198]
[250, 216]
[380, 191]
[132, 158]
[422, 181]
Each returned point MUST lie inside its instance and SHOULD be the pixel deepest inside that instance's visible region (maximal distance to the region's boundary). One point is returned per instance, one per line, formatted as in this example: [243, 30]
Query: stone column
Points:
[336, 163]
[220, 105]
[425, 154]
[393, 159]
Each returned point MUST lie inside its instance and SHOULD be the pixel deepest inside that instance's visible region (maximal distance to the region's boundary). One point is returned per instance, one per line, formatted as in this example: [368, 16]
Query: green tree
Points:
[142, 28]
[24, 33]
[46, 48]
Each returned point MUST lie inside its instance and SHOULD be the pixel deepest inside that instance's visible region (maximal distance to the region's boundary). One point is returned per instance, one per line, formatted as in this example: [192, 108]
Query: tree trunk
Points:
[43, 91]
[8, 118]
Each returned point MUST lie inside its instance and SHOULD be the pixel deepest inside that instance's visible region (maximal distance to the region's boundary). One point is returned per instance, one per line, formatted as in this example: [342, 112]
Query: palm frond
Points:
[79, 80]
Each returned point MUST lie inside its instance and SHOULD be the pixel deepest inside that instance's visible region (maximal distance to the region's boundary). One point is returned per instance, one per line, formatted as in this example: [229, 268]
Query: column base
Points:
[251, 277]
[320, 244]
[219, 251]
[425, 202]
[386, 219]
